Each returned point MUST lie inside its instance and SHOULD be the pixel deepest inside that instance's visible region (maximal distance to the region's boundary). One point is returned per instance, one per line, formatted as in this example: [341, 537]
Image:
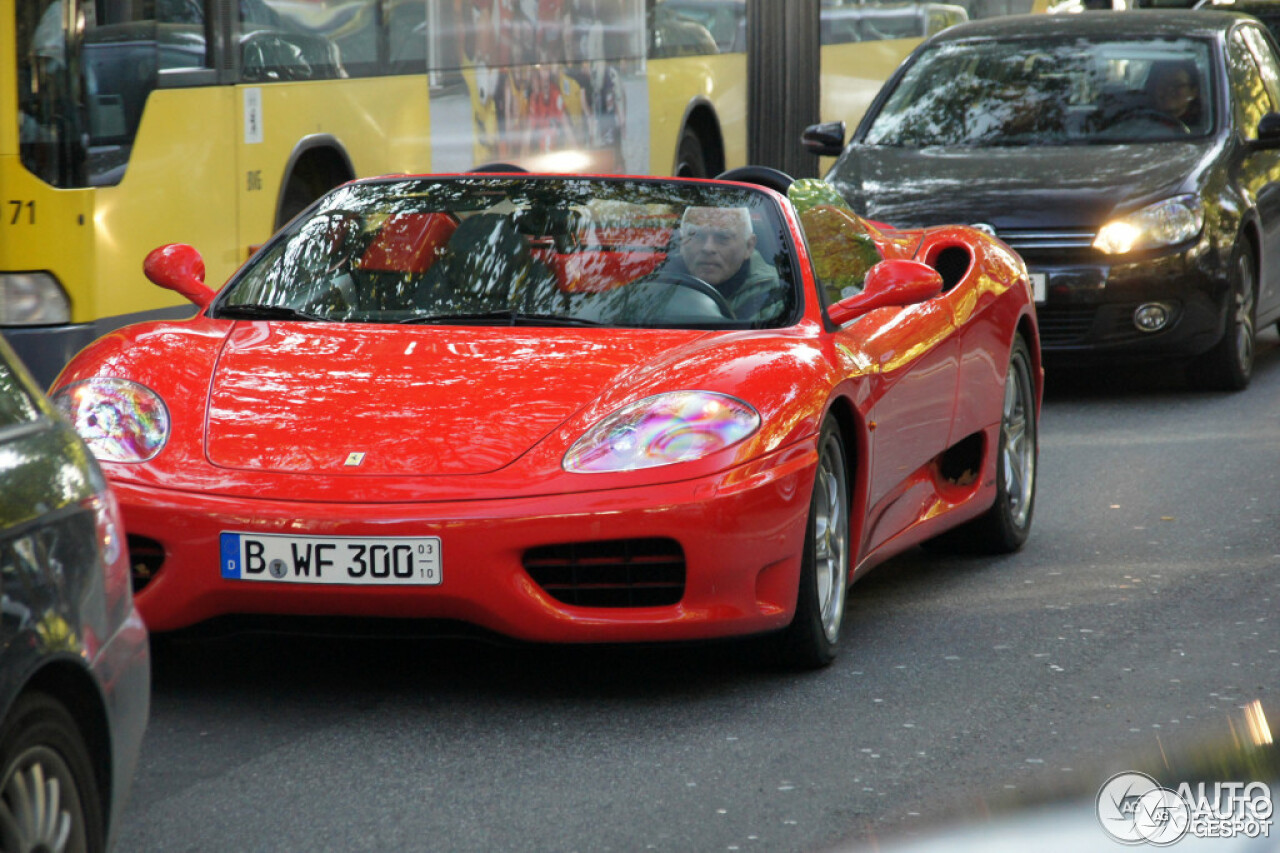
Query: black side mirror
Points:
[824, 140]
[1268, 132]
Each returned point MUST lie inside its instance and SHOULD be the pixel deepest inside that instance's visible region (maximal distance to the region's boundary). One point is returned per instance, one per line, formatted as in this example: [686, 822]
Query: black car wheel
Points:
[1004, 527]
[48, 797]
[1229, 365]
[690, 161]
[811, 640]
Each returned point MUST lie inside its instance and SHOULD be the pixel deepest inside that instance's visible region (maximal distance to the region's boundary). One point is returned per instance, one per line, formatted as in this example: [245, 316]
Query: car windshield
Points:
[526, 251]
[1050, 92]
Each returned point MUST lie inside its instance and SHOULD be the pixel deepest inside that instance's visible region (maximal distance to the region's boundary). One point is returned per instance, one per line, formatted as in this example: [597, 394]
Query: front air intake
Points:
[617, 573]
[146, 557]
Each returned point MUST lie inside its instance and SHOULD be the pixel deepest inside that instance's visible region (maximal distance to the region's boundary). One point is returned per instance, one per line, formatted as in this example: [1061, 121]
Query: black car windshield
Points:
[1050, 92]
[526, 251]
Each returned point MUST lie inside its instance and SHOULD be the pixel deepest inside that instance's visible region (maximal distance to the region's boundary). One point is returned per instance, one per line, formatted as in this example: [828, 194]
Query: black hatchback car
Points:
[1132, 159]
[74, 662]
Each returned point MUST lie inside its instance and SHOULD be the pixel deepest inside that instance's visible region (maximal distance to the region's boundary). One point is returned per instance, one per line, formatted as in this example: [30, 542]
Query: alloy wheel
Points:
[831, 536]
[1019, 456]
[39, 807]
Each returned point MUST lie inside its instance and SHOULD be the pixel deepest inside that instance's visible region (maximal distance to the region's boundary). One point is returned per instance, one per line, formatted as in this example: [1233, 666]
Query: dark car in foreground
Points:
[74, 660]
[1149, 235]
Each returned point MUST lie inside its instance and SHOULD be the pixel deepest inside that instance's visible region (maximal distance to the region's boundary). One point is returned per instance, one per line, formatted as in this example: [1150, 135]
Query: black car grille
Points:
[1030, 241]
[617, 573]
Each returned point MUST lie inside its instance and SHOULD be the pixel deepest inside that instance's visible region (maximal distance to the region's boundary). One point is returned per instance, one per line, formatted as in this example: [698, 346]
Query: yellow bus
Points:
[125, 124]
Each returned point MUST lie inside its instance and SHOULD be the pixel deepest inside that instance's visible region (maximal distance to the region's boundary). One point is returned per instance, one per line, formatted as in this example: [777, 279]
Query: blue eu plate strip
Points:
[231, 555]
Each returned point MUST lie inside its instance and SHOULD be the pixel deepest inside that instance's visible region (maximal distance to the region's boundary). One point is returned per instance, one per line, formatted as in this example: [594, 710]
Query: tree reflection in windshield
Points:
[1040, 92]
[501, 251]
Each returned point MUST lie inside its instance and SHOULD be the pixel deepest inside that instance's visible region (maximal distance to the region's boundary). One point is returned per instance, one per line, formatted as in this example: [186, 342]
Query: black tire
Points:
[297, 198]
[1004, 527]
[691, 161]
[813, 637]
[1229, 365]
[41, 748]
[304, 187]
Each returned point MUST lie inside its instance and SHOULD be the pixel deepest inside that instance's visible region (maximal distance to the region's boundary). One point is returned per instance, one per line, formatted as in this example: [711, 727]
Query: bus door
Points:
[158, 153]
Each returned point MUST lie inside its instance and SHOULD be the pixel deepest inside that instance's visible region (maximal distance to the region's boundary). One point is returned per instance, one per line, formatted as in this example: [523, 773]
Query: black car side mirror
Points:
[824, 140]
[1268, 132]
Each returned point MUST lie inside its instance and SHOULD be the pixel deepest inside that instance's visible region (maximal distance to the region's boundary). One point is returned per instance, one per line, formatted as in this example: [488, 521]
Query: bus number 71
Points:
[17, 211]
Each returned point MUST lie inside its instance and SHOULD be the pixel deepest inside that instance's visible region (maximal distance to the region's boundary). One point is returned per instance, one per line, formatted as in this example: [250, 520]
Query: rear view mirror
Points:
[824, 140]
[895, 283]
[179, 268]
[1268, 132]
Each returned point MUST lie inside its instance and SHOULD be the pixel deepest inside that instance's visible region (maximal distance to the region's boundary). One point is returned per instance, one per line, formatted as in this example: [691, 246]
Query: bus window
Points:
[307, 41]
[48, 82]
[725, 20]
[128, 52]
[406, 27]
[673, 34]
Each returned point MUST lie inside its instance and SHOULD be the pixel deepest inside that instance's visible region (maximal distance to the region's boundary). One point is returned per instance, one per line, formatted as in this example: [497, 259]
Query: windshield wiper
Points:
[265, 312]
[503, 317]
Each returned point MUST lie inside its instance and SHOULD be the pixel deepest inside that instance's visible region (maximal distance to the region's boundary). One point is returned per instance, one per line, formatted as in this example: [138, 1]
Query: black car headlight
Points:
[1165, 223]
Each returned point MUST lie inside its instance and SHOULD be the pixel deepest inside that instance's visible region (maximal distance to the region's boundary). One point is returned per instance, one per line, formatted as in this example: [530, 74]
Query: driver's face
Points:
[1175, 92]
[713, 243]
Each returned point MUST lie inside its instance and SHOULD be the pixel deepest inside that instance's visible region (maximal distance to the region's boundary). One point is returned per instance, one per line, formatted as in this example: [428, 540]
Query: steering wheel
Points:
[1154, 116]
[681, 279]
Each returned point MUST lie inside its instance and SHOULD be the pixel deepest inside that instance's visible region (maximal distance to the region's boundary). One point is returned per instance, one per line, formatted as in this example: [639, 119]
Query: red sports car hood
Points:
[430, 401]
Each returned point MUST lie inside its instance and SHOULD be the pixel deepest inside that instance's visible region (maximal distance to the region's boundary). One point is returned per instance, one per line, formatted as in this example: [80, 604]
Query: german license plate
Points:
[351, 560]
[1040, 287]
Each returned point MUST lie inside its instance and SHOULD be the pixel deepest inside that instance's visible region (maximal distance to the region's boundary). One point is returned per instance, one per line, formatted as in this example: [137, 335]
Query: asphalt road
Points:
[1137, 622]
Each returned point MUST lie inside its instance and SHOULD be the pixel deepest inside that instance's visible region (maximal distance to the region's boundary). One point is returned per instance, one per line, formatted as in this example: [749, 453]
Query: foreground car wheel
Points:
[1005, 526]
[1229, 365]
[690, 163]
[811, 639]
[48, 798]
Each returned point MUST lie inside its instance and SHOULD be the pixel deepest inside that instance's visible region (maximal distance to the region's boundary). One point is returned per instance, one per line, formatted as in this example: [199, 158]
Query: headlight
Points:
[32, 299]
[1165, 223]
[121, 421]
[679, 426]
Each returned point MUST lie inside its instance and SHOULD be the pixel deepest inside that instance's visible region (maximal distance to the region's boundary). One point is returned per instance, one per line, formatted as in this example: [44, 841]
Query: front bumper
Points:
[1089, 313]
[741, 534]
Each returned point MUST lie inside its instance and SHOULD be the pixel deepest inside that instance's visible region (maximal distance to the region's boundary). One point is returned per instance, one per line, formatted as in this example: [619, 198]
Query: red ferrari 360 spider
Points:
[568, 409]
